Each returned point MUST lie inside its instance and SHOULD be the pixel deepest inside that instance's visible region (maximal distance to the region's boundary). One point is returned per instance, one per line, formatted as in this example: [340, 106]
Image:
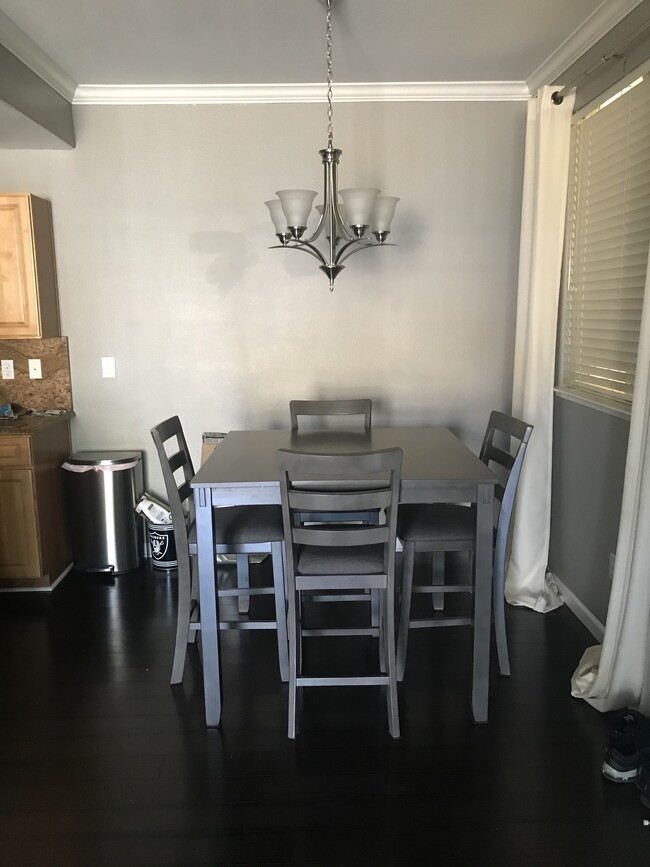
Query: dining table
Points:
[436, 468]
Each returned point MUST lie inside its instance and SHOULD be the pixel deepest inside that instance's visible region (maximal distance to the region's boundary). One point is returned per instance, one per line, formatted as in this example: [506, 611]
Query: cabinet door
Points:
[19, 313]
[19, 554]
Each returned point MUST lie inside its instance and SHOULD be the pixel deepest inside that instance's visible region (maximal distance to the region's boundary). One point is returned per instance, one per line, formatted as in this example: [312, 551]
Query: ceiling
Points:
[146, 42]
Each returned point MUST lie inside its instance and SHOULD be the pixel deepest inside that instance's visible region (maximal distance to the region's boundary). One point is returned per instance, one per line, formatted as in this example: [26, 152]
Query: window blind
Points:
[606, 245]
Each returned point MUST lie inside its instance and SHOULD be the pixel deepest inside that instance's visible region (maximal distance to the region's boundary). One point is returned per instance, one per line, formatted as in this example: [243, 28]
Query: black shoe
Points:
[643, 780]
[631, 735]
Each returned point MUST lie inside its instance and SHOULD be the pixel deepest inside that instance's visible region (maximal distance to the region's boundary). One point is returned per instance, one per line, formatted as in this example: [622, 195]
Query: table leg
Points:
[208, 606]
[482, 601]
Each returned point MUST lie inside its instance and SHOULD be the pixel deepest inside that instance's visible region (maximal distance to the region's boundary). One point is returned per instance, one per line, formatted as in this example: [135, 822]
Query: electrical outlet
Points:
[108, 367]
[7, 368]
[35, 370]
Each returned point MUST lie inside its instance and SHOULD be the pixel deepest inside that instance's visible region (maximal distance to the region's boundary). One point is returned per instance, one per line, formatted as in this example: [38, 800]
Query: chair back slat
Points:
[361, 406]
[185, 492]
[379, 470]
[338, 536]
[499, 456]
[178, 460]
[346, 501]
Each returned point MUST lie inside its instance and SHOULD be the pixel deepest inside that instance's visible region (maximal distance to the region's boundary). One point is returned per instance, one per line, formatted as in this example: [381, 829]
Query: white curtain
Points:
[546, 169]
[617, 674]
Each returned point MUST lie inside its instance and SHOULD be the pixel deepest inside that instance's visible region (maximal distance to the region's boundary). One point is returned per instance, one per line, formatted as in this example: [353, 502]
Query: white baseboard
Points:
[580, 610]
[38, 589]
[61, 576]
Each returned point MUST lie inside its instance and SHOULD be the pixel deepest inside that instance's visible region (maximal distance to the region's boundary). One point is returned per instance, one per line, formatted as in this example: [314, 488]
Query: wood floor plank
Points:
[103, 763]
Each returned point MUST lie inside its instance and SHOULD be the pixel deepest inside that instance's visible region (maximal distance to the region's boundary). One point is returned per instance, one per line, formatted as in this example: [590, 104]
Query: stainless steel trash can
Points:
[102, 491]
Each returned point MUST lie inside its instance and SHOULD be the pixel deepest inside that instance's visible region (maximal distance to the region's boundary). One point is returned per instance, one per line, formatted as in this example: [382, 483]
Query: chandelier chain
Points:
[330, 127]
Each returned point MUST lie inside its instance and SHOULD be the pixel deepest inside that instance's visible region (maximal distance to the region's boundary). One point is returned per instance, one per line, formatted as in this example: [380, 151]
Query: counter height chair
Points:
[334, 408]
[341, 557]
[442, 527]
[240, 530]
[323, 409]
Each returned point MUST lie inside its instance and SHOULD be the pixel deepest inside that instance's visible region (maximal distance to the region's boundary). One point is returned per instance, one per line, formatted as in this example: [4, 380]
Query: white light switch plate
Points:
[7, 368]
[108, 367]
[35, 371]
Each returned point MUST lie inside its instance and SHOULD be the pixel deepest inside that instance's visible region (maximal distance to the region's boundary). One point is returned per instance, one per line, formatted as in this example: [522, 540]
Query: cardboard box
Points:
[211, 440]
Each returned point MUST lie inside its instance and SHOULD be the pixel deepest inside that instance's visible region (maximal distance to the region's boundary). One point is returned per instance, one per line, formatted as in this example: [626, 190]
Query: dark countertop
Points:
[27, 425]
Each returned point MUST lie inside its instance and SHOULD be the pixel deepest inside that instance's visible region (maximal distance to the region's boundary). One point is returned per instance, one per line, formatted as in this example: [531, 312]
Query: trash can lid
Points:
[103, 459]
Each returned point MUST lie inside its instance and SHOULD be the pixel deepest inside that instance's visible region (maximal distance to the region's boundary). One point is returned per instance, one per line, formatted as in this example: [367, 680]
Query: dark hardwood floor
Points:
[103, 763]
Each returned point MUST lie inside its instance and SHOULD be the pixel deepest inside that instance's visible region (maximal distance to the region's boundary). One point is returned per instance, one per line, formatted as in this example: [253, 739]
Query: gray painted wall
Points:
[162, 243]
[589, 451]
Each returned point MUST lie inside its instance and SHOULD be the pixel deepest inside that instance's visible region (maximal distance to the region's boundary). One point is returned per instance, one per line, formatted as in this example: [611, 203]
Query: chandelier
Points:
[344, 224]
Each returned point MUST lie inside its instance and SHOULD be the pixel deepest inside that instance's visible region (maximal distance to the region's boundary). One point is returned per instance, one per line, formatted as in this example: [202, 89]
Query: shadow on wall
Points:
[228, 255]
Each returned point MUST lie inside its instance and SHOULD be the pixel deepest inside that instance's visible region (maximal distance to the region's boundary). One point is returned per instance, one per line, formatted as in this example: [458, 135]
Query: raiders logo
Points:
[159, 545]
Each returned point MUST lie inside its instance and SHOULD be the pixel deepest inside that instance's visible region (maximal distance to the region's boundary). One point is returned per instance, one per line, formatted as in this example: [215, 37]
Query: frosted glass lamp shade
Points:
[383, 212]
[296, 205]
[277, 215]
[358, 204]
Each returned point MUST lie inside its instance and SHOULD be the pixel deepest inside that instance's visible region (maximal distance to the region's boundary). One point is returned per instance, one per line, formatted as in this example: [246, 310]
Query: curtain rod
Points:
[557, 96]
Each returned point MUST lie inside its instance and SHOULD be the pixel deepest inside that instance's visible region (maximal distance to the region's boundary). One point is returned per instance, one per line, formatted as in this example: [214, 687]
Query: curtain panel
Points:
[617, 674]
[546, 169]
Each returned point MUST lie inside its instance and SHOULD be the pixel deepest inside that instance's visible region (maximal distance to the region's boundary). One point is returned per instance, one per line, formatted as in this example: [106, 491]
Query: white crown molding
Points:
[225, 94]
[600, 22]
[28, 52]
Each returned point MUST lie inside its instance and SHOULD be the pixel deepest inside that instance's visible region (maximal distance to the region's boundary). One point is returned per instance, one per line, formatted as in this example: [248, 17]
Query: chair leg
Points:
[438, 578]
[293, 662]
[280, 609]
[182, 625]
[389, 638]
[405, 608]
[381, 630]
[374, 608]
[243, 581]
[299, 647]
[498, 609]
[193, 636]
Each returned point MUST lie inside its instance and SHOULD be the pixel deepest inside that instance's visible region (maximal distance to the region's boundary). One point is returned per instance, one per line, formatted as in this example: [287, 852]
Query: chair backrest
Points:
[340, 483]
[175, 460]
[518, 432]
[362, 406]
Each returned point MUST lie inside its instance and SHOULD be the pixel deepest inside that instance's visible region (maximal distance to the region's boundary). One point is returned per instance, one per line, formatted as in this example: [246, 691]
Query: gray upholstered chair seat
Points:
[241, 525]
[361, 560]
[443, 521]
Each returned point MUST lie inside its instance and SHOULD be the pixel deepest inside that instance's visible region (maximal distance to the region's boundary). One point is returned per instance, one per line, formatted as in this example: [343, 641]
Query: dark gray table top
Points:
[430, 454]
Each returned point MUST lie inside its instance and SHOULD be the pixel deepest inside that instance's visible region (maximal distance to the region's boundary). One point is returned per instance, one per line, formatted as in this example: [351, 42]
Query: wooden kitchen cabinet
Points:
[29, 304]
[34, 546]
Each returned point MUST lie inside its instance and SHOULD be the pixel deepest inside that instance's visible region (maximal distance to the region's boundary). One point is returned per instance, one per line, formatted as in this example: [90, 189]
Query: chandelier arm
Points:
[302, 245]
[317, 231]
[331, 158]
[340, 258]
[356, 244]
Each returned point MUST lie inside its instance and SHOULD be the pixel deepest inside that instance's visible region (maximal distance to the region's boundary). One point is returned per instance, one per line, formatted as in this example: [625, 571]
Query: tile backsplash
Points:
[54, 390]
